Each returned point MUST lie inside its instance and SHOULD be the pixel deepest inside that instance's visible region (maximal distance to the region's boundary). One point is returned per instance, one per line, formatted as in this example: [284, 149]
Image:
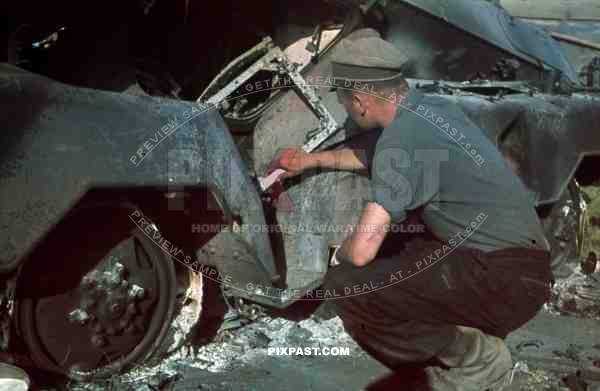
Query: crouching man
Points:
[443, 301]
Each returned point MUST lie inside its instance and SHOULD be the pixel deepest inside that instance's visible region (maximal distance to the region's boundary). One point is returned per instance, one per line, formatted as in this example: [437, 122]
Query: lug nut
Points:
[137, 292]
[116, 309]
[131, 329]
[140, 326]
[114, 281]
[97, 328]
[98, 341]
[78, 316]
[88, 283]
[120, 269]
[87, 303]
[123, 324]
[131, 309]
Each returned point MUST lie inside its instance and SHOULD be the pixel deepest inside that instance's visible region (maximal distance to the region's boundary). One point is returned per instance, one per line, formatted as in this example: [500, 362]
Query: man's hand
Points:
[292, 160]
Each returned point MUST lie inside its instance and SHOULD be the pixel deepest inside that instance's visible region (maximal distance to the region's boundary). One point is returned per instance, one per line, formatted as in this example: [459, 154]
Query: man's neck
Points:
[390, 111]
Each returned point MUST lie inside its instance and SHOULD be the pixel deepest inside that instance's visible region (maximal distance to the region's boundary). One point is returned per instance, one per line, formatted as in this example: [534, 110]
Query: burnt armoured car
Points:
[124, 217]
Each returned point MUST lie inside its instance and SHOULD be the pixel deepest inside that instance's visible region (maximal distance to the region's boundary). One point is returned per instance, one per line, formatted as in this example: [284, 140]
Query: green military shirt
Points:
[434, 159]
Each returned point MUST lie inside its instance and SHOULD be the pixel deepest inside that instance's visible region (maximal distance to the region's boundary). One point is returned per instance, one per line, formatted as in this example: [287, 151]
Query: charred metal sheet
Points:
[62, 141]
[319, 200]
[491, 23]
[241, 278]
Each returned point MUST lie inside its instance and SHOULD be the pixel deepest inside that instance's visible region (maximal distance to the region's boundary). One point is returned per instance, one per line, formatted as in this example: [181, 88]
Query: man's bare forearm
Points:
[339, 159]
[361, 247]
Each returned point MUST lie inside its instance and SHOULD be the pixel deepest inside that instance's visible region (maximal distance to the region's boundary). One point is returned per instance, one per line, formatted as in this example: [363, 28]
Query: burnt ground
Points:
[546, 350]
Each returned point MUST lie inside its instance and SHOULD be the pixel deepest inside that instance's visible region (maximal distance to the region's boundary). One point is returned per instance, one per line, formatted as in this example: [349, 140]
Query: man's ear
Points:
[364, 100]
[360, 101]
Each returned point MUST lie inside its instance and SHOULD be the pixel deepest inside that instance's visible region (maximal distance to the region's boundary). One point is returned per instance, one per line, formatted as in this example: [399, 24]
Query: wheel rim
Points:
[117, 313]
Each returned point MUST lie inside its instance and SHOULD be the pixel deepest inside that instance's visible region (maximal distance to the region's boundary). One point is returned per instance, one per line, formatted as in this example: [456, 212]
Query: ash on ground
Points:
[231, 349]
[237, 358]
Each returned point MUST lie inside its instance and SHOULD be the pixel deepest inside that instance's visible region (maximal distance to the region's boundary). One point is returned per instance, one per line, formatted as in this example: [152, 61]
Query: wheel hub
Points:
[108, 304]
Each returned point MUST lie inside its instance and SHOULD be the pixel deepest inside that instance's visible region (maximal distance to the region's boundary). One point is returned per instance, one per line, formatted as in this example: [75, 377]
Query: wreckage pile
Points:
[578, 295]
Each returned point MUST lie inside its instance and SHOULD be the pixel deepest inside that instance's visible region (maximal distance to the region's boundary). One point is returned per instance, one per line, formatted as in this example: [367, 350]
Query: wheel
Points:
[564, 223]
[97, 296]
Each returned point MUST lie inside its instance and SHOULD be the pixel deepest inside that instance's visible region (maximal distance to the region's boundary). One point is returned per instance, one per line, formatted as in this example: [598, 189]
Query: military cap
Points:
[368, 59]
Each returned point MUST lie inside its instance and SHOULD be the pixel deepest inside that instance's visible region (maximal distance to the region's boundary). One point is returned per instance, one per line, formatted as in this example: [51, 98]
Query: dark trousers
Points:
[409, 318]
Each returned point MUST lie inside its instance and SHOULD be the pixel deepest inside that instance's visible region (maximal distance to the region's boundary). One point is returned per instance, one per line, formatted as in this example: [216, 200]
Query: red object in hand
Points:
[292, 160]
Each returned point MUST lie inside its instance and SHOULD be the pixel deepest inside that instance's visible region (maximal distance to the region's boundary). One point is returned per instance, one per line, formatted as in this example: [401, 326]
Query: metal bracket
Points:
[262, 63]
[276, 60]
[262, 47]
[327, 124]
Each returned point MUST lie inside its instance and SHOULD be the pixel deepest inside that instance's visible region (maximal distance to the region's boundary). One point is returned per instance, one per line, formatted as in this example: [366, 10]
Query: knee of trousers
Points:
[339, 278]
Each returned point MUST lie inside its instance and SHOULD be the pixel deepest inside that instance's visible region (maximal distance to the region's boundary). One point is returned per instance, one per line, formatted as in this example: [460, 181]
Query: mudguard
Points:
[61, 143]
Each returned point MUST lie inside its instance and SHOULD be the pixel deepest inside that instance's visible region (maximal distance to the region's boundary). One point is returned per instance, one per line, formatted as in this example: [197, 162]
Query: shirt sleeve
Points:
[389, 188]
[397, 179]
